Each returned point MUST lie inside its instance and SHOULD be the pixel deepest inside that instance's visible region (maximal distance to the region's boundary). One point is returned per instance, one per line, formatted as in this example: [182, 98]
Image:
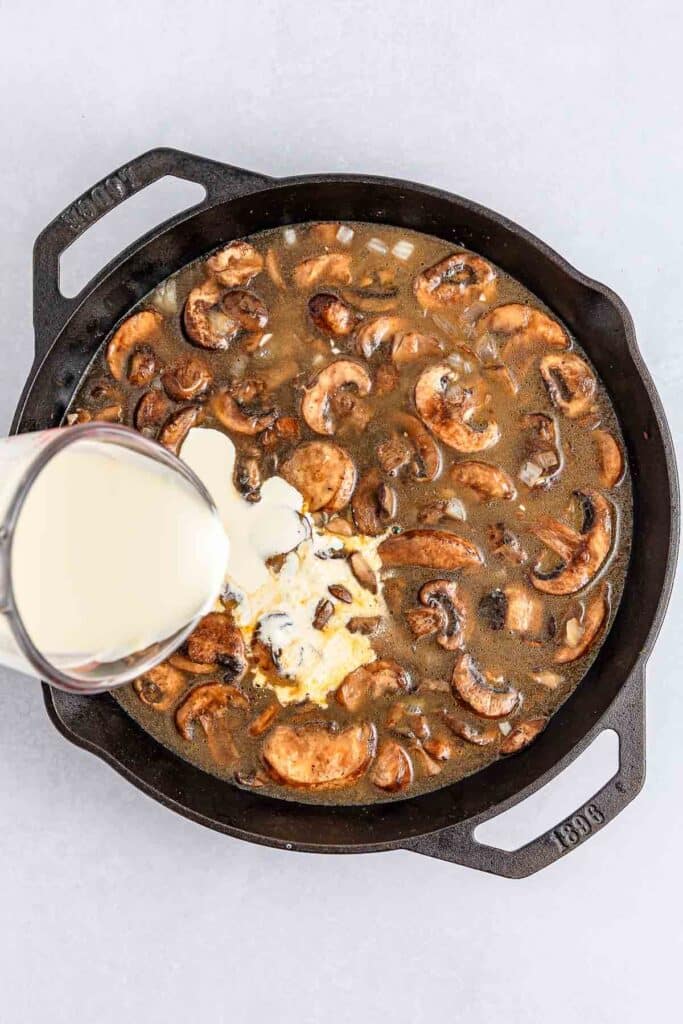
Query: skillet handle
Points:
[458, 845]
[51, 309]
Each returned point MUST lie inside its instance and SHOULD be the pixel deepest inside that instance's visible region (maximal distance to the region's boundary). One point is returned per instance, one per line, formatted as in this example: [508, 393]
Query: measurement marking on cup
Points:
[577, 828]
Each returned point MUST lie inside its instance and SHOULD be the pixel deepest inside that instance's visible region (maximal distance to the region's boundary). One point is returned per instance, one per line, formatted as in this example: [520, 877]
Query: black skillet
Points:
[441, 824]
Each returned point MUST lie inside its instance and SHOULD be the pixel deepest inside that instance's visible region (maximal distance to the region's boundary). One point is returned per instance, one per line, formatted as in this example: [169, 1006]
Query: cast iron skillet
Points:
[441, 824]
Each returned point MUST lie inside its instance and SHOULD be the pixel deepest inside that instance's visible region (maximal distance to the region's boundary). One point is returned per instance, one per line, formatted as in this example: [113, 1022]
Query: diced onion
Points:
[403, 250]
[345, 234]
[573, 632]
[530, 474]
[546, 459]
[444, 325]
[289, 235]
[456, 509]
[377, 245]
[165, 297]
[505, 728]
[551, 680]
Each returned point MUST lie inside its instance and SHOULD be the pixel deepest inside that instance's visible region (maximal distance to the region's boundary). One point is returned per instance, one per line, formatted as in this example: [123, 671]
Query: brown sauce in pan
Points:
[523, 564]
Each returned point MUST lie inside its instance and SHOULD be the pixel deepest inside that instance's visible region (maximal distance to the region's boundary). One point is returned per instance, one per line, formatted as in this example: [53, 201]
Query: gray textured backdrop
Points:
[564, 117]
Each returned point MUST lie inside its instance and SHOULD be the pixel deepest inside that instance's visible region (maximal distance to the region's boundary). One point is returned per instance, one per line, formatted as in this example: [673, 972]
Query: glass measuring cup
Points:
[22, 459]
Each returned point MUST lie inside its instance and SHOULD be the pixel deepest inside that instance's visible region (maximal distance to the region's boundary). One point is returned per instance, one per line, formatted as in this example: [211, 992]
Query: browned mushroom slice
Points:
[273, 269]
[580, 636]
[433, 549]
[487, 482]
[544, 456]
[375, 332]
[323, 472]
[481, 734]
[373, 505]
[393, 768]
[195, 668]
[326, 391]
[523, 333]
[332, 315]
[136, 330]
[610, 458]
[235, 264]
[484, 697]
[142, 367]
[458, 281]
[441, 597]
[151, 410]
[411, 445]
[570, 382]
[240, 419]
[207, 701]
[217, 641]
[325, 232]
[583, 553]
[214, 317]
[522, 735]
[370, 682]
[315, 756]
[447, 409]
[363, 572]
[264, 720]
[177, 427]
[505, 544]
[412, 347]
[186, 378]
[160, 687]
[330, 268]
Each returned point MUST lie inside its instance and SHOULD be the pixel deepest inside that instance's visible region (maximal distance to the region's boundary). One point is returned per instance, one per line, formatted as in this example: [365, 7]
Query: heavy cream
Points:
[278, 607]
[112, 552]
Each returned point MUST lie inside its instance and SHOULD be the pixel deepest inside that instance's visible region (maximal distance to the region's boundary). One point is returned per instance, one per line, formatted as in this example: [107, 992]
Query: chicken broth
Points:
[465, 483]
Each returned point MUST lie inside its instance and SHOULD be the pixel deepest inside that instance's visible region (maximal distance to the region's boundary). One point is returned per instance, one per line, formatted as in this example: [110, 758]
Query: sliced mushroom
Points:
[273, 269]
[447, 409]
[610, 458]
[330, 268]
[213, 317]
[441, 598]
[177, 427]
[315, 756]
[393, 768]
[583, 553]
[207, 701]
[433, 549]
[487, 482]
[411, 445]
[373, 505]
[332, 315]
[481, 734]
[323, 472]
[370, 682]
[375, 332]
[487, 699]
[238, 418]
[217, 641]
[505, 544]
[594, 620]
[412, 347]
[235, 264]
[317, 405]
[160, 687]
[543, 451]
[195, 668]
[523, 332]
[151, 410]
[142, 367]
[186, 378]
[522, 735]
[363, 572]
[458, 281]
[137, 330]
[264, 720]
[570, 382]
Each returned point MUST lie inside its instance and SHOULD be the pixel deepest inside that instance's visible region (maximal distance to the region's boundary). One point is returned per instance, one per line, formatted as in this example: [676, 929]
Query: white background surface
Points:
[565, 117]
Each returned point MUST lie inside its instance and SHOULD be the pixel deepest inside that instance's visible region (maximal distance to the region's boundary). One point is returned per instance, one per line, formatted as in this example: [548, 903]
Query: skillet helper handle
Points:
[51, 309]
[459, 846]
